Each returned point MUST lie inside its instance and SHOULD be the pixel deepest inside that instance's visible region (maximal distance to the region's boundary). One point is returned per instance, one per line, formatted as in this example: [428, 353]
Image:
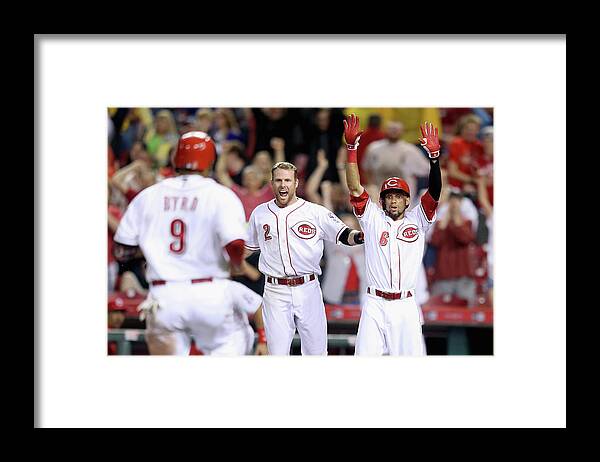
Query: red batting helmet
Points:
[393, 183]
[195, 151]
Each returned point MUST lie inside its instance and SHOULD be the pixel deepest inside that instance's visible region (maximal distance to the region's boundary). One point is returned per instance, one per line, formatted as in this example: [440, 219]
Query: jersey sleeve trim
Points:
[337, 237]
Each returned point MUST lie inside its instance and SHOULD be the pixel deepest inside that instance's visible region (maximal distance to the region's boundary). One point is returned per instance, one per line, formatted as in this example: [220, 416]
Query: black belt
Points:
[290, 281]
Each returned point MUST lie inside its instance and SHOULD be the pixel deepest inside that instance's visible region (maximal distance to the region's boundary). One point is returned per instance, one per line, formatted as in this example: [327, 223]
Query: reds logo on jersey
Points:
[408, 233]
[304, 230]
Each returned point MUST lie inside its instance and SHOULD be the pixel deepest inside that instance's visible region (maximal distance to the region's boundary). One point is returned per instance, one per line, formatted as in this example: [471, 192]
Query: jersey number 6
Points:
[178, 231]
[383, 240]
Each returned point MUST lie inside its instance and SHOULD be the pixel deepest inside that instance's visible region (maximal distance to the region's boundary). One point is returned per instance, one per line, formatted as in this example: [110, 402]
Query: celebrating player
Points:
[289, 232]
[184, 226]
[391, 322]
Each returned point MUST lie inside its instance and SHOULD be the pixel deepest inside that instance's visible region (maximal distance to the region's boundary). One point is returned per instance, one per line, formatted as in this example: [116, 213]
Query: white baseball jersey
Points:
[182, 224]
[290, 239]
[393, 248]
[393, 256]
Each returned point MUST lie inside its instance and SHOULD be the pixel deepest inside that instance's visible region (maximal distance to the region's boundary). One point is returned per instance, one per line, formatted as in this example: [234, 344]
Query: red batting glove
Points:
[352, 131]
[430, 141]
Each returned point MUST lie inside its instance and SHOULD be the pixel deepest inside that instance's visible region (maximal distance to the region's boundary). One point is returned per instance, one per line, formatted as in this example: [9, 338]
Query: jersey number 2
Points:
[178, 232]
[267, 229]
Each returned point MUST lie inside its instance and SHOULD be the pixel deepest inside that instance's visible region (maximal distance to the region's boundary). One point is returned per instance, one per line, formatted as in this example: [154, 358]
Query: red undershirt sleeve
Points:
[359, 203]
[235, 250]
[429, 205]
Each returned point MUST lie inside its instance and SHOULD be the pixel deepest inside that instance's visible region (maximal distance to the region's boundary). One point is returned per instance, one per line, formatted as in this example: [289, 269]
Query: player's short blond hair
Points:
[285, 166]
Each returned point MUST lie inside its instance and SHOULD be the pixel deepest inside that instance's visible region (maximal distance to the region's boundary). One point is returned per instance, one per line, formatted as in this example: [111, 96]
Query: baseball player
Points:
[234, 336]
[190, 229]
[289, 232]
[391, 321]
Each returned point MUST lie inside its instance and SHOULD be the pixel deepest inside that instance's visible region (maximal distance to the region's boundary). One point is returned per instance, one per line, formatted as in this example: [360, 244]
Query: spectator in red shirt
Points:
[133, 178]
[263, 160]
[485, 164]
[464, 153]
[454, 238]
[450, 117]
[129, 181]
[252, 192]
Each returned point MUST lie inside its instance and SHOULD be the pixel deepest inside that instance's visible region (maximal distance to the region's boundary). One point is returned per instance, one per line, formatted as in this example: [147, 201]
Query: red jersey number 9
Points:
[178, 232]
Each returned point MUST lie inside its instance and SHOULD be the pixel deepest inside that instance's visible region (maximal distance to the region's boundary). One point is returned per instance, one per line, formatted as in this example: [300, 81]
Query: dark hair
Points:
[374, 120]
[402, 192]
[142, 142]
[238, 150]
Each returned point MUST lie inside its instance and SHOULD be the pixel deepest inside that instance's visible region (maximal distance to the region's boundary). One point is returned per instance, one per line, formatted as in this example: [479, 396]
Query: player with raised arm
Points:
[391, 321]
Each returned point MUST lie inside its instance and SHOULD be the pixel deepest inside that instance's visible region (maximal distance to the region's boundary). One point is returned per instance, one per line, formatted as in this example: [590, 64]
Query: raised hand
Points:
[430, 140]
[322, 160]
[278, 144]
[352, 131]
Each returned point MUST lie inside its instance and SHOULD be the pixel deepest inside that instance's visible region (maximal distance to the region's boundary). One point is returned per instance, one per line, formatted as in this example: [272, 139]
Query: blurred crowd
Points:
[457, 266]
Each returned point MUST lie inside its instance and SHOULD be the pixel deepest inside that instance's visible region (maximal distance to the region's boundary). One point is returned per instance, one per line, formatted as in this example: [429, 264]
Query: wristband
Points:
[262, 338]
[352, 155]
[359, 238]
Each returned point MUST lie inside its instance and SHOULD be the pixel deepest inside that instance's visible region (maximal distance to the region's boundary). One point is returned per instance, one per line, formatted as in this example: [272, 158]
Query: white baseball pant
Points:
[189, 310]
[237, 343]
[390, 327]
[287, 308]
